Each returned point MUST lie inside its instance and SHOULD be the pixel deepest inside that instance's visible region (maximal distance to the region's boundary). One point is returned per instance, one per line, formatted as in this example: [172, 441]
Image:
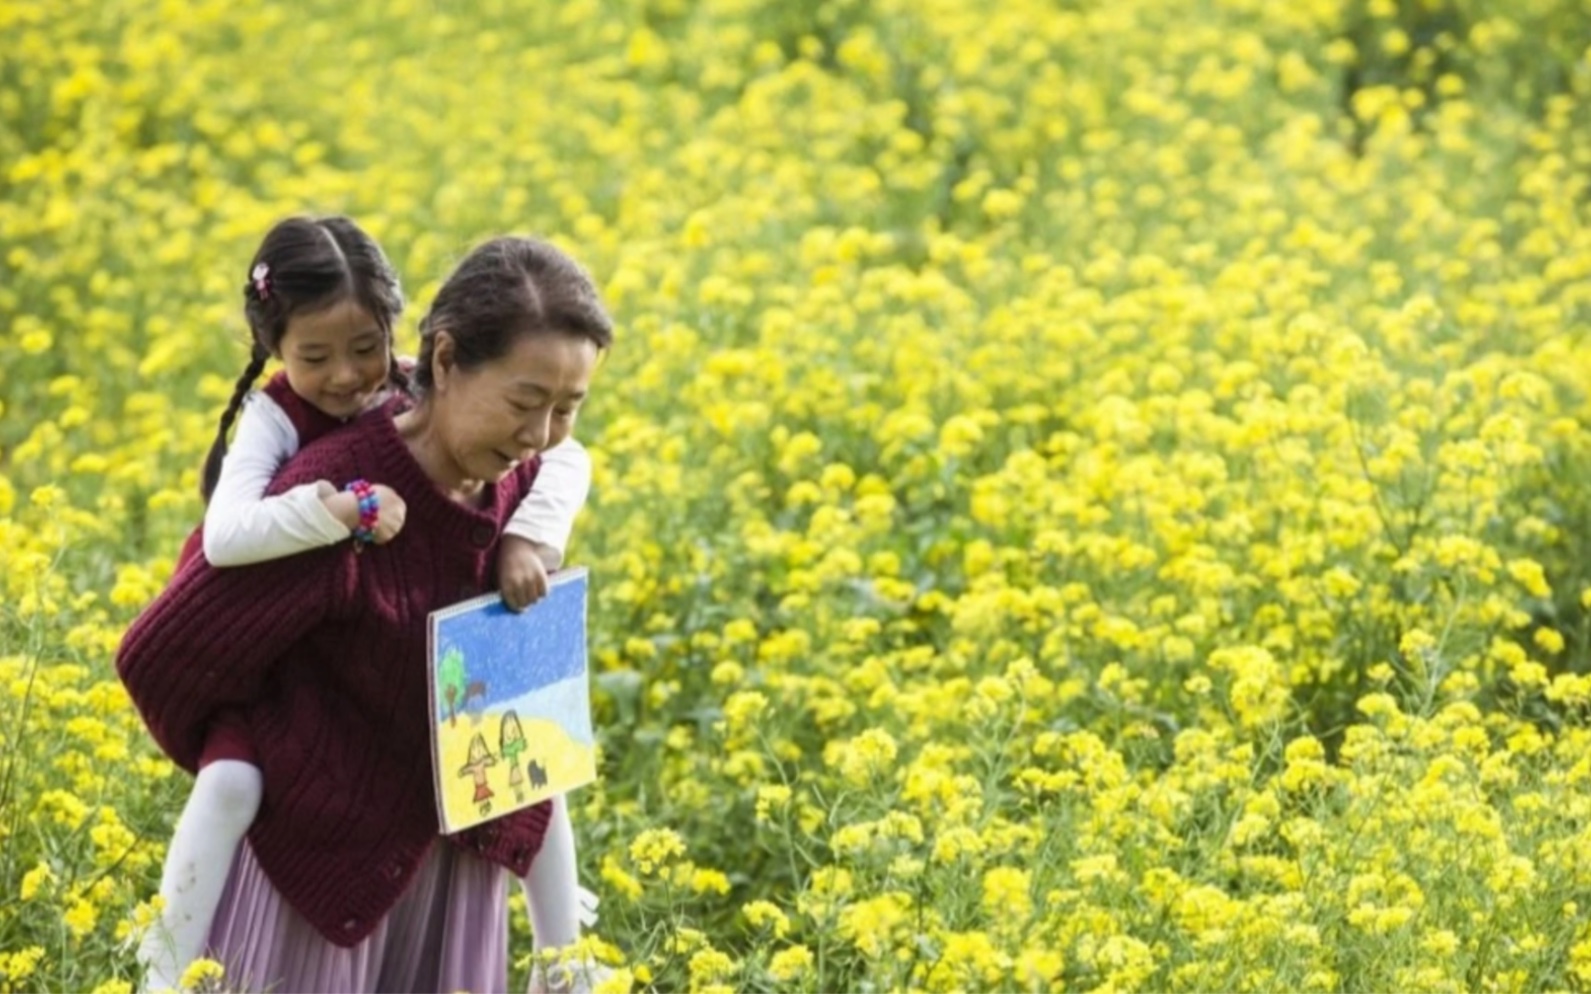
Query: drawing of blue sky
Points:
[567, 702]
[514, 654]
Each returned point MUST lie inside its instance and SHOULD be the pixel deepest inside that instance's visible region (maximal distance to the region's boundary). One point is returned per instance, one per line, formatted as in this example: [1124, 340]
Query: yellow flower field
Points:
[1089, 495]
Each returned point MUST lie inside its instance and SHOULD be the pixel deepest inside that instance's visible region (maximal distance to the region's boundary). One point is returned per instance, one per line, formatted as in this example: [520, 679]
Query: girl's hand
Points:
[521, 571]
[391, 514]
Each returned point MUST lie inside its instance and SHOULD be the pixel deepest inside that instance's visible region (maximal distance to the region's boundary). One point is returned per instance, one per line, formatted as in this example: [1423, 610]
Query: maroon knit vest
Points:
[308, 420]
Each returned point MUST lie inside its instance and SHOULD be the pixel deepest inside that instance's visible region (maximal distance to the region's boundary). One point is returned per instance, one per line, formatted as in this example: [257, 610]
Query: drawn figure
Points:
[538, 774]
[511, 742]
[480, 759]
[476, 691]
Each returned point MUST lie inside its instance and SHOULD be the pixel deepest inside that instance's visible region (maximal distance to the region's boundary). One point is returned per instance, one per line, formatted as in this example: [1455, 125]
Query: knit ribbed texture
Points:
[310, 421]
[324, 655]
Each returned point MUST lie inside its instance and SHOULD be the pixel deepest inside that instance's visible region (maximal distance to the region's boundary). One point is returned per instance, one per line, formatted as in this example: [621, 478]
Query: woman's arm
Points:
[547, 513]
[242, 525]
[208, 640]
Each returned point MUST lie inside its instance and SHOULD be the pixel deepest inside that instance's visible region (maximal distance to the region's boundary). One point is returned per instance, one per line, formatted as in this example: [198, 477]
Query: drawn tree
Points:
[452, 679]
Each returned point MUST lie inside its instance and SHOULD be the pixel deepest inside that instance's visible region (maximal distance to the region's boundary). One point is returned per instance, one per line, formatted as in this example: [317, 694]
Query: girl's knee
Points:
[230, 790]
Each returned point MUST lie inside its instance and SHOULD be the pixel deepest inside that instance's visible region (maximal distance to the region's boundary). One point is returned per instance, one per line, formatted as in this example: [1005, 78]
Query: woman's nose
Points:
[533, 432]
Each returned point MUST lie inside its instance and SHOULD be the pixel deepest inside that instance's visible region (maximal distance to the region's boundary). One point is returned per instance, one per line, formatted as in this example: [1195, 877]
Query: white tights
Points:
[225, 799]
[558, 904]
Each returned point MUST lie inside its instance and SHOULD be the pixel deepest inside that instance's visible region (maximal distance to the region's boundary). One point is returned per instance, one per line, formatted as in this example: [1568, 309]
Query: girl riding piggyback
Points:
[322, 298]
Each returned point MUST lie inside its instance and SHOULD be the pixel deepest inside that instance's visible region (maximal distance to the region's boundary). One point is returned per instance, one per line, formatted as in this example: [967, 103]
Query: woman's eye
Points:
[565, 414]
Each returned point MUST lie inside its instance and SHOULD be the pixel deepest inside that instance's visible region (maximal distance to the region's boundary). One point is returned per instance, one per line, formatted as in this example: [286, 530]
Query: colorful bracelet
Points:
[369, 512]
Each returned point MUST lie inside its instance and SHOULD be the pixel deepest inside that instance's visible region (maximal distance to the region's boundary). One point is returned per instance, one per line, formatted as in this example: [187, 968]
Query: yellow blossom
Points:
[790, 964]
[655, 848]
[765, 915]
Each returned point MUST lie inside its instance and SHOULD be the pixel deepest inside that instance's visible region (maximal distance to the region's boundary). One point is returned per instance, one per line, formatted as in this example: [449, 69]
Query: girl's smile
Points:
[337, 358]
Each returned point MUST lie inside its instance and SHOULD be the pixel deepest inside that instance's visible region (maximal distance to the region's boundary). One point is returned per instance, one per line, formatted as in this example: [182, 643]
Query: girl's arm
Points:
[242, 525]
[546, 515]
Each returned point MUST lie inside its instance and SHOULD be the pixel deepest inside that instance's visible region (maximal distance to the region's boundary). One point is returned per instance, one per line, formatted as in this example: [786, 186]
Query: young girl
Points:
[322, 297]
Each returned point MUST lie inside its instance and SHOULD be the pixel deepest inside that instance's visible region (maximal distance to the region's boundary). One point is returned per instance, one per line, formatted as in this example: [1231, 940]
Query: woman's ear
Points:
[444, 360]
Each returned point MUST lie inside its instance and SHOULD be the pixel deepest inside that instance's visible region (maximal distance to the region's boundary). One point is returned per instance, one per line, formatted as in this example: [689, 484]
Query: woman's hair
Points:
[306, 265]
[506, 288]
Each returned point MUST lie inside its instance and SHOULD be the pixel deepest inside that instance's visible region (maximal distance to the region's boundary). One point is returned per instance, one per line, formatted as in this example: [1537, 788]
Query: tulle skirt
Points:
[449, 932]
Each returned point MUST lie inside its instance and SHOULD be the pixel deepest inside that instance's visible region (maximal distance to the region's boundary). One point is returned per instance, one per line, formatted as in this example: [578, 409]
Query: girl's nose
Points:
[345, 376]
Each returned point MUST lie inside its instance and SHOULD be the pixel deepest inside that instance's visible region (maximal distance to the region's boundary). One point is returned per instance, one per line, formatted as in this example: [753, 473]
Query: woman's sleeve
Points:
[242, 525]
[208, 641]
[547, 512]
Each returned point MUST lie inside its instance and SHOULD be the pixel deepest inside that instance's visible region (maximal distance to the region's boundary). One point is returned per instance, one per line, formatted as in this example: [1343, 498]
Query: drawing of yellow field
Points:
[495, 762]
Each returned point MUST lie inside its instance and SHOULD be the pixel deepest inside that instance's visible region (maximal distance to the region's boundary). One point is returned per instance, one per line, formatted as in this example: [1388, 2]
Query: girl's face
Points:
[336, 359]
[495, 416]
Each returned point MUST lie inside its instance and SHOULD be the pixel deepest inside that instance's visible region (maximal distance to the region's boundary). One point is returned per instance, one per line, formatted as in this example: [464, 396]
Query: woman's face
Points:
[491, 418]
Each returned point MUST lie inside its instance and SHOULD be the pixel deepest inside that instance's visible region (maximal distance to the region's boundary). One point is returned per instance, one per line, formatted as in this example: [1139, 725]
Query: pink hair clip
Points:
[261, 275]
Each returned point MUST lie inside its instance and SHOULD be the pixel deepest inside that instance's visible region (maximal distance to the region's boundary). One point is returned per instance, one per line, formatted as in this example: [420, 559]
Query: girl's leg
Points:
[551, 886]
[559, 906]
[225, 799]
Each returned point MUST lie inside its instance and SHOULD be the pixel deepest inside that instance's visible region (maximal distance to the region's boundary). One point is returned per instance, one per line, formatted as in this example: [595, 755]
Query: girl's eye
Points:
[367, 350]
[312, 360]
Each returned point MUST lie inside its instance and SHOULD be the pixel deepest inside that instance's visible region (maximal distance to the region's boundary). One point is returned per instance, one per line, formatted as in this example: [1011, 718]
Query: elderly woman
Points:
[345, 883]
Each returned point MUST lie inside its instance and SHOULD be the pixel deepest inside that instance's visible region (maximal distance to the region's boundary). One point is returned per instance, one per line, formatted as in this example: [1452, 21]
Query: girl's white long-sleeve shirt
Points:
[243, 526]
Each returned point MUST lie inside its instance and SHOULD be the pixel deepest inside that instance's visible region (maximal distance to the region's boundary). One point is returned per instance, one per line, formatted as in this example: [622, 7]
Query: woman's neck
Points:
[417, 427]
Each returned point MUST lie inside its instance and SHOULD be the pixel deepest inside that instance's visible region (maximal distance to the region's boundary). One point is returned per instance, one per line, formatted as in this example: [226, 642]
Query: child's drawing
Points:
[522, 677]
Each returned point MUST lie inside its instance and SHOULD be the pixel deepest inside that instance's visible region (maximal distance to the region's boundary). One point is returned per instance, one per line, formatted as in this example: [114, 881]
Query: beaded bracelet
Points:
[369, 512]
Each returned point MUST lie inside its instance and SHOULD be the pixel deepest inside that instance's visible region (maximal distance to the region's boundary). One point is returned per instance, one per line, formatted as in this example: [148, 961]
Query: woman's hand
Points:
[522, 570]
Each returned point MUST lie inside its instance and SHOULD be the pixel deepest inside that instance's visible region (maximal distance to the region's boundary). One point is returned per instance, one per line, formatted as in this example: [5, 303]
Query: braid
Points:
[212, 462]
[398, 377]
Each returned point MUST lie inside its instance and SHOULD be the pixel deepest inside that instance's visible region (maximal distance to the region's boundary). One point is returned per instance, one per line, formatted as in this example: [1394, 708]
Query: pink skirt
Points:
[449, 932]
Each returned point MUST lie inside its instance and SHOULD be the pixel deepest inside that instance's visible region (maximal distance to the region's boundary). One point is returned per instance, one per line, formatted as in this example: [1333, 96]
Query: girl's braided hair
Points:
[306, 265]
